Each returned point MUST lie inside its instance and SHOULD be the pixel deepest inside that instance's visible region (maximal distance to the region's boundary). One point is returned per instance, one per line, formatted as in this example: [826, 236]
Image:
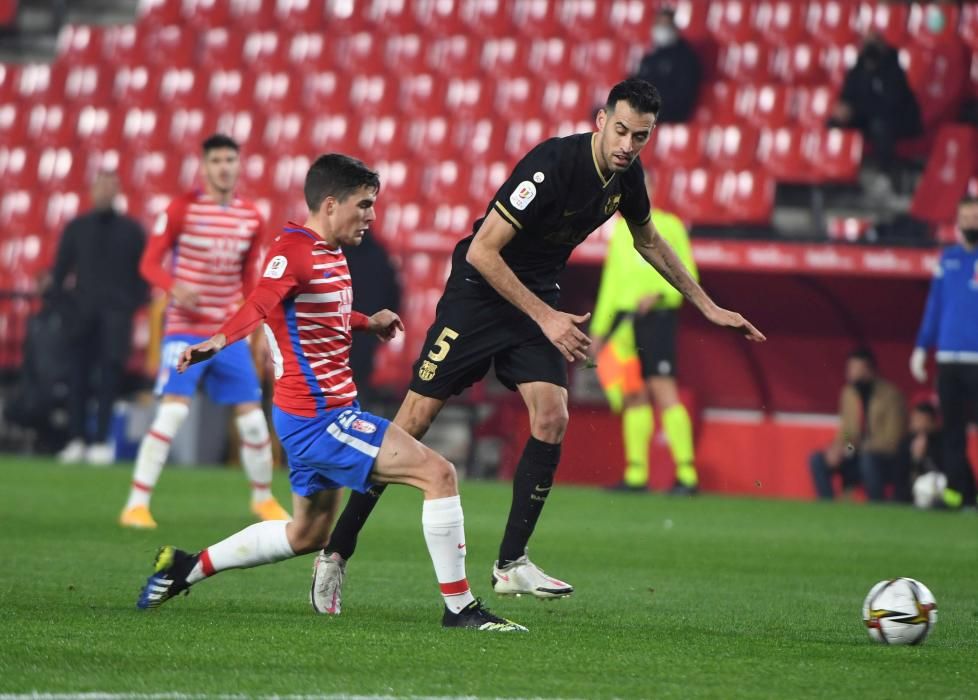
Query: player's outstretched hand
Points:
[385, 324]
[731, 319]
[201, 351]
[561, 329]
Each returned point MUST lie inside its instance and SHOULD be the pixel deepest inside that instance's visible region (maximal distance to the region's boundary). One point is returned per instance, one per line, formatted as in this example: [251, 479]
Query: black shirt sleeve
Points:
[635, 205]
[66, 258]
[532, 192]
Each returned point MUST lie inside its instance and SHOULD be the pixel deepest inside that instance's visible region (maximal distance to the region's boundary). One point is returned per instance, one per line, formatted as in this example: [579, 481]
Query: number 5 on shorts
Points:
[441, 347]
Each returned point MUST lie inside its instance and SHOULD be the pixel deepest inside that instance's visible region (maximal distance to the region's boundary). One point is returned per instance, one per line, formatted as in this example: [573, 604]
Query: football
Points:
[928, 489]
[899, 611]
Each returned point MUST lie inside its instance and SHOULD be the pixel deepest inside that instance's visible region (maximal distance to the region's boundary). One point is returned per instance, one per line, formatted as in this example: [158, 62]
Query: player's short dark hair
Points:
[215, 141]
[339, 176]
[968, 200]
[639, 94]
[864, 354]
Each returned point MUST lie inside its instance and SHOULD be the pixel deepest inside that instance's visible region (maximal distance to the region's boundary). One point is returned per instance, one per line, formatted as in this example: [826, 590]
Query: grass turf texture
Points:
[705, 597]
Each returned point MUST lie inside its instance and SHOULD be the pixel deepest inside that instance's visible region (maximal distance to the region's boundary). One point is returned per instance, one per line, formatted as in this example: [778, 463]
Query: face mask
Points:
[935, 20]
[970, 235]
[663, 36]
[863, 384]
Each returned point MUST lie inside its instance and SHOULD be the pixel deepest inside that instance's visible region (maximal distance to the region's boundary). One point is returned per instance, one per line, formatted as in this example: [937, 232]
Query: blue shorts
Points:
[337, 448]
[229, 377]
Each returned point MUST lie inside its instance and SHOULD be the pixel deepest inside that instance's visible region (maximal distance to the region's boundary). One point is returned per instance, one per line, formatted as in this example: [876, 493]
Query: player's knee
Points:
[442, 476]
[549, 424]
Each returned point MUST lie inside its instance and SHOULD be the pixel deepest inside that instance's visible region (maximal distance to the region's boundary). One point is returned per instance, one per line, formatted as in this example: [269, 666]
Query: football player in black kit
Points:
[500, 307]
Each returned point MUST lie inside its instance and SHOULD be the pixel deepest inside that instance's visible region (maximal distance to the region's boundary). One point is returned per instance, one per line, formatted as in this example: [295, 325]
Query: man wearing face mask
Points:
[97, 272]
[673, 67]
[950, 325]
[876, 99]
[872, 420]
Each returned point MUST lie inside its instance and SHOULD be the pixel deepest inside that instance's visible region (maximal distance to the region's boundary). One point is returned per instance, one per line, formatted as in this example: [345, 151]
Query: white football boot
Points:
[524, 577]
[73, 452]
[328, 572]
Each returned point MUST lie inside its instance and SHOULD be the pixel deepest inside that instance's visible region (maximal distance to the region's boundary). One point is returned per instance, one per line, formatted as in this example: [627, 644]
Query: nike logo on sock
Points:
[462, 546]
[542, 490]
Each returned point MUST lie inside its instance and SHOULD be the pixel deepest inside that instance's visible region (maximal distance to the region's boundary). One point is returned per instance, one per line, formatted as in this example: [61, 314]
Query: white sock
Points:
[261, 543]
[256, 453]
[442, 522]
[153, 451]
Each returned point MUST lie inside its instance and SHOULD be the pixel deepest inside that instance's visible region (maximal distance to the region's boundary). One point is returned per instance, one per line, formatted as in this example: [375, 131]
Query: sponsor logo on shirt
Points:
[523, 195]
[363, 426]
[276, 267]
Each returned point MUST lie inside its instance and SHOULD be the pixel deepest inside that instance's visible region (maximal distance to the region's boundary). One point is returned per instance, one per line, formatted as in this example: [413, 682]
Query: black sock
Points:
[531, 486]
[343, 539]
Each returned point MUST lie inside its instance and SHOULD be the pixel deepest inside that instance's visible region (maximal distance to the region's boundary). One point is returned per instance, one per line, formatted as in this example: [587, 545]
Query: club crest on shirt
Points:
[612, 204]
[276, 267]
[523, 195]
[363, 426]
[427, 371]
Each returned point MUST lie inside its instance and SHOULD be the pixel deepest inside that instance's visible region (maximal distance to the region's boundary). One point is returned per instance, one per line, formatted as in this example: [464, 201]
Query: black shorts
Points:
[655, 339]
[475, 328]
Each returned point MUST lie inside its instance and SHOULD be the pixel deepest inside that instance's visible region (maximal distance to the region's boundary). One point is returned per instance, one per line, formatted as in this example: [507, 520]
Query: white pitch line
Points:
[37, 695]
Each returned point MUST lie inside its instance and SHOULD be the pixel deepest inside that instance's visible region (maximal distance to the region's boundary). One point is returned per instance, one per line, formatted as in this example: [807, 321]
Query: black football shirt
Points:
[555, 197]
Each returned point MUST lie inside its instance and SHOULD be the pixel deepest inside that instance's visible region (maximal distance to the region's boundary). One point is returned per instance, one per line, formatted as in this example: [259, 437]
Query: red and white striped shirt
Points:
[210, 248]
[305, 297]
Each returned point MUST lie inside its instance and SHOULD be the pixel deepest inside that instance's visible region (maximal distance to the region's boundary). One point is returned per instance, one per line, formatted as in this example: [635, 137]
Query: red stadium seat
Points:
[144, 129]
[343, 18]
[732, 21]
[432, 139]
[799, 64]
[486, 179]
[746, 62]
[13, 125]
[385, 138]
[309, 51]
[584, 20]
[98, 128]
[918, 29]
[679, 145]
[154, 171]
[277, 92]
[206, 14]
[441, 17]
[50, 125]
[834, 22]
[524, 134]
[360, 53]
[782, 22]
[938, 78]
[251, 15]
[300, 15]
[444, 181]
[422, 94]
[469, 98]
[9, 79]
[888, 19]
[59, 169]
[599, 58]
[87, 83]
[731, 146]
[60, 208]
[157, 13]
[519, 98]
[242, 125]
[968, 25]
[717, 102]
[838, 155]
[765, 105]
[136, 86]
[264, 51]
[333, 132]
[566, 97]
[456, 56]
[394, 17]
[373, 94]
[404, 54]
[228, 89]
[814, 104]
[326, 87]
[692, 196]
[285, 131]
[748, 196]
[34, 83]
[221, 49]
[480, 141]
[180, 87]
[550, 58]
[18, 168]
[505, 57]
[122, 45]
[785, 153]
[691, 18]
[535, 18]
[631, 20]
[20, 211]
[80, 44]
[168, 46]
[953, 161]
[489, 18]
[189, 125]
[837, 59]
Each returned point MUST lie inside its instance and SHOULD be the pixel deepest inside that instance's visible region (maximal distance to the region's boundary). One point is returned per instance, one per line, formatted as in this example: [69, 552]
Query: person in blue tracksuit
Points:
[950, 326]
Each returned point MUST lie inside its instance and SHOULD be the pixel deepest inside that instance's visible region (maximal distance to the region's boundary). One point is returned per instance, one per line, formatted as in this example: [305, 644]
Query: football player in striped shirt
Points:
[205, 252]
[305, 300]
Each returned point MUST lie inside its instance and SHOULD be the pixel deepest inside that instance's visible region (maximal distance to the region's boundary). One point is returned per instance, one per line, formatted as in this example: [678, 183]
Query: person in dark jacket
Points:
[673, 67]
[96, 272]
[876, 99]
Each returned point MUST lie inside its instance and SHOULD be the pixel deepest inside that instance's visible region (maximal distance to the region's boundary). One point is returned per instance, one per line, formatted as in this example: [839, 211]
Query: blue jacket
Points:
[950, 321]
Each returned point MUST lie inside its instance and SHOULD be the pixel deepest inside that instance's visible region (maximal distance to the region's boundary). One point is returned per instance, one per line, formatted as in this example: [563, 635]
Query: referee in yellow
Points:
[633, 330]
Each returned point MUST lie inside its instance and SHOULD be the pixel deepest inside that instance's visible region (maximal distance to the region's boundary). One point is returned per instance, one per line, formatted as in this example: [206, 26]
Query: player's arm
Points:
[384, 324]
[485, 255]
[66, 257]
[927, 335]
[663, 258]
[159, 246]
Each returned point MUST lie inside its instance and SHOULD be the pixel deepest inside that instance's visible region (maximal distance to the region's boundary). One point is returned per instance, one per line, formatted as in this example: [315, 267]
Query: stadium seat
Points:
[691, 19]
[50, 125]
[242, 125]
[782, 22]
[486, 178]
[442, 18]
[523, 134]
[731, 21]
[345, 17]
[968, 25]
[122, 45]
[159, 13]
[431, 138]
[456, 56]
[385, 137]
[920, 33]
[309, 50]
[749, 62]
[332, 131]
[99, 128]
[444, 182]
[469, 98]
[838, 154]
[566, 97]
[20, 210]
[421, 94]
[765, 105]
[747, 195]
[599, 58]
[256, 169]
[834, 22]
[13, 124]
[221, 49]
[584, 20]
[799, 64]
[229, 89]
[785, 153]
[189, 125]
[204, 15]
[80, 44]
[153, 171]
[178, 87]
[60, 208]
[144, 129]
[9, 78]
[889, 19]
[814, 104]
[404, 54]
[137, 86]
[18, 168]
[938, 78]
[480, 140]
[168, 46]
[326, 87]
[550, 58]
[264, 51]
[488, 18]
[59, 169]
[394, 17]
[373, 94]
[34, 82]
[505, 57]
[519, 98]
[716, 103]
[400, 180]
[277, 92]
[953, 161]
[87, 84]
[692, 195]
[836, 59]
[360, 53]
[534, 19]
[679, 146]
[631, 21]
[731, 146]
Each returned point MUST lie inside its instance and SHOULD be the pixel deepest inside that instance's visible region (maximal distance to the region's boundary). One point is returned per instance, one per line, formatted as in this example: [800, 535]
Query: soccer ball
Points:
[928, 489]
[899, 611]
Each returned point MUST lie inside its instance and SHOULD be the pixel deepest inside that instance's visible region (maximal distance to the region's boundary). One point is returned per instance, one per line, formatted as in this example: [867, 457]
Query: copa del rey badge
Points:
[276, 267]
[362, 426]
[523, 195]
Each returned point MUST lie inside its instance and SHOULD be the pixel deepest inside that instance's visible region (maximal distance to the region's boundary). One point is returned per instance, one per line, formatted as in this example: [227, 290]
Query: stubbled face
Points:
[350, 218]
[104, 190]
[622, 134]
[220, 169]
[968, 216]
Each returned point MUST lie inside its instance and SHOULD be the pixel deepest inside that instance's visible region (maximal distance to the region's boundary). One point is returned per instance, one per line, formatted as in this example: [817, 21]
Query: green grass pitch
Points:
[709, 597]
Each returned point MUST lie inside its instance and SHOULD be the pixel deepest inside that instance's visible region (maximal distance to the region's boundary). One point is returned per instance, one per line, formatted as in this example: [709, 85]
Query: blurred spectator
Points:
[375, 287]
[872, 421]
[922, 447]
[876, 99]
[673, 67]
[96, 272]
[950, 325]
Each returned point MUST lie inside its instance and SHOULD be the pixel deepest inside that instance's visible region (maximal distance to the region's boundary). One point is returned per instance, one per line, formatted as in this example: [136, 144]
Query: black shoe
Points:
[477, 616]
[680, 489]
[170, 571]
[625, 487]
